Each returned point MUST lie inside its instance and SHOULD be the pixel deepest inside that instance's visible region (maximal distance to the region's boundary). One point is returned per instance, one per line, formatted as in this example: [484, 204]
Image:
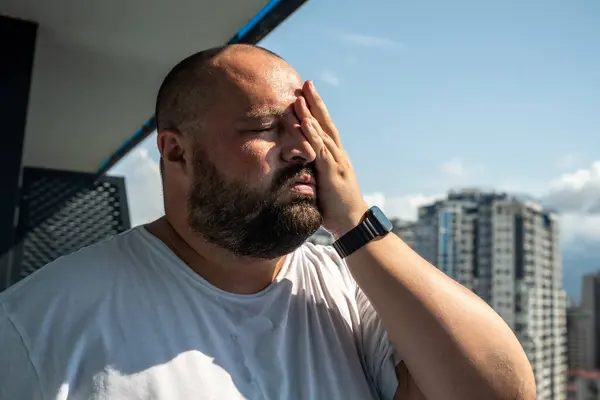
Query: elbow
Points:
[524, 390]
[523, 383]
[514, 380]
[527, 389]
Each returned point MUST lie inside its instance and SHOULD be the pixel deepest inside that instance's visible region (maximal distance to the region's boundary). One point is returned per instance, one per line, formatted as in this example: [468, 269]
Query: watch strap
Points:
[359, 236]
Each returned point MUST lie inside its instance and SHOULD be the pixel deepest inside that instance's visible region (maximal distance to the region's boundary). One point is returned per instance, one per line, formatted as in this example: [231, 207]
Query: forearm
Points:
[453, 344]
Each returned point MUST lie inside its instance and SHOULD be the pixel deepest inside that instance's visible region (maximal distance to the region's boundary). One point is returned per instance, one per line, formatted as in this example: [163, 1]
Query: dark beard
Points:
[246, 222]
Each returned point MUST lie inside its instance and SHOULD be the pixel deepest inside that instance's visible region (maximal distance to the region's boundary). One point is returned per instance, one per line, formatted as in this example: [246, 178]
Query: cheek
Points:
[254, 162]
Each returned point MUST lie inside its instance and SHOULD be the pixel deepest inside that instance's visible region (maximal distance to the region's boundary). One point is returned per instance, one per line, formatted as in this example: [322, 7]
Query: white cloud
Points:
[404, 207]
[330, 78]
[378, 42]
[577, 192]
[454, 168]
[375, 199]
[575, 196]
[144, 186]
[579, 228]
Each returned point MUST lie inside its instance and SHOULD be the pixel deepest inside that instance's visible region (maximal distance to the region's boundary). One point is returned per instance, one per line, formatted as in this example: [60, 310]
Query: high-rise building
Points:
[584, 385]
[590, 305]
[579, 324]
[405, 230]
[507, 251]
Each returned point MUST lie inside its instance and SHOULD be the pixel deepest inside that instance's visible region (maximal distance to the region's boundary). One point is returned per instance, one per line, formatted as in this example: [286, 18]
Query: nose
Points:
[295, 147]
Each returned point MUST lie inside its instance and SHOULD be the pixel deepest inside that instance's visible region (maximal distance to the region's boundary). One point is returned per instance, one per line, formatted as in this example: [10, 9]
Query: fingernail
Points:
[311, 84]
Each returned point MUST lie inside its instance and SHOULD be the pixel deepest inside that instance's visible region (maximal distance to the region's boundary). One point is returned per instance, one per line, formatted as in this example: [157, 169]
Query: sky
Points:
[430, 96]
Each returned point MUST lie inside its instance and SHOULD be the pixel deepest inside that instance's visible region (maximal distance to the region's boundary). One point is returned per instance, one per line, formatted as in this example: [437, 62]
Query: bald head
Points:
[188, 88]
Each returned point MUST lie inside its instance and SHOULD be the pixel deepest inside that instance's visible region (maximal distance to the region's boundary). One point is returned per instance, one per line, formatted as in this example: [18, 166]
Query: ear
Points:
[172, 148]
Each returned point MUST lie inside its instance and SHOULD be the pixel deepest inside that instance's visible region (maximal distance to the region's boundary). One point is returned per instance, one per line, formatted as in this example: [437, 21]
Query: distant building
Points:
[578, 338]
[590, 305]
[506, 250]
[405, 230]
[583, 385]
[321, 237]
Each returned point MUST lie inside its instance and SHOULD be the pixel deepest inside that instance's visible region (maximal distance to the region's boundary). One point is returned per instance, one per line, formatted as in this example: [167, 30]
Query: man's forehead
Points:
[263, 99]
[274, 84]
[256, 67]
[259, 86]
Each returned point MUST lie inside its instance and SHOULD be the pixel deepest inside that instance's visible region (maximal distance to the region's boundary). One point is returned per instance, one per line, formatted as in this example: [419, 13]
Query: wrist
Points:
[349, 221]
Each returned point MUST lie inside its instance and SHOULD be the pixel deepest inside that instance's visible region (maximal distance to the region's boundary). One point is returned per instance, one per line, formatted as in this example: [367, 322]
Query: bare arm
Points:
[453, 344]
[407, 388]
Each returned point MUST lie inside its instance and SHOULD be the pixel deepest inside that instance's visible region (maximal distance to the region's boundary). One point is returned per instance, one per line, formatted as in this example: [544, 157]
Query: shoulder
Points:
[44, 315]
[70, 280]
[19, 377]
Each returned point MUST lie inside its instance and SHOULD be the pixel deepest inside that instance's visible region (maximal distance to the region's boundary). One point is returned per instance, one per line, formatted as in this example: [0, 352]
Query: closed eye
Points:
[264, 129]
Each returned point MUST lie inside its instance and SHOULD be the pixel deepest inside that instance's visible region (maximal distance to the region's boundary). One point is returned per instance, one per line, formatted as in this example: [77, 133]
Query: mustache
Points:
[294, 172]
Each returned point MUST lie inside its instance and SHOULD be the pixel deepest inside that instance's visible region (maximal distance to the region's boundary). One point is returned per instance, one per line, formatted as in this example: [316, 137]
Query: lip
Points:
[305, 180]
[306, 189]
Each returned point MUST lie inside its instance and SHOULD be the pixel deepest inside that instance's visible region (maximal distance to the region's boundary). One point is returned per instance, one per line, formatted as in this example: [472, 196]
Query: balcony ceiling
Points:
[99, 63]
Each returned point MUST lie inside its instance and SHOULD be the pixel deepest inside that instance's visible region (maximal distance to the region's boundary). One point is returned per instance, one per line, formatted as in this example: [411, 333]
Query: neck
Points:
[240, 275]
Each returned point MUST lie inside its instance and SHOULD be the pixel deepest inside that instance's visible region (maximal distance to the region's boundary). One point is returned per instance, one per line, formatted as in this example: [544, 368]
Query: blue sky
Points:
[507, 88]
[433, 95]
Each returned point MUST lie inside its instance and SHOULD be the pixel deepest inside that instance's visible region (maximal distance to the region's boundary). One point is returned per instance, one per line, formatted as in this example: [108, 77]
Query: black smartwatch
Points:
[375, 224]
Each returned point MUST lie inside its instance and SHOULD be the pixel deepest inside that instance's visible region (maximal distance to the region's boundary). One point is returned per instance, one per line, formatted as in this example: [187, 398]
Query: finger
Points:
[324, 158]
[304, 114]
[310, 129]
[319, 110]
[301, 109]
[332, 146]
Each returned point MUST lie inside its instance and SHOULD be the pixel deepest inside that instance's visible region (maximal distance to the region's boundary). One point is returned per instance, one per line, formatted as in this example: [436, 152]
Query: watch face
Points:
[380, 217]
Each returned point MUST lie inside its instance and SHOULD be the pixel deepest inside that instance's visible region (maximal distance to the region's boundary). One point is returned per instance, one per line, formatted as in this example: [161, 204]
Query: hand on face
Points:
[338, 193]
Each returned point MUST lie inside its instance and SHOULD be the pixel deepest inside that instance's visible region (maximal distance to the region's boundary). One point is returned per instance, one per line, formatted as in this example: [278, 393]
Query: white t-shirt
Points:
[127, 319]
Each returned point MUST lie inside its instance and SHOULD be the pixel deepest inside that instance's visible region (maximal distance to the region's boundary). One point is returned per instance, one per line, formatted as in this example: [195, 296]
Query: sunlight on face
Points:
[251, 127]
[243, 196]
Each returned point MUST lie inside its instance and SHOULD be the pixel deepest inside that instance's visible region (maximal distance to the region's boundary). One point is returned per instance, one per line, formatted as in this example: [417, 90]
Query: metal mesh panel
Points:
[61, 212]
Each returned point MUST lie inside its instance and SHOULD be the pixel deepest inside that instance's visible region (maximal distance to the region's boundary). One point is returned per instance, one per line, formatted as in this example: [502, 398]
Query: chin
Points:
[296, 198]
[304, 217]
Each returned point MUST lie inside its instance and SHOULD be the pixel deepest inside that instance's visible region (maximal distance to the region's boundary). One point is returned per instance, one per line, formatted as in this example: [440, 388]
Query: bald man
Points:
[222, 298]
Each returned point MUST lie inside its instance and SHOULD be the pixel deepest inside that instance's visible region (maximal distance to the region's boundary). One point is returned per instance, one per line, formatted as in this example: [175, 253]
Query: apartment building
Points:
[590, 327]
[405, 230]
[507, 251]
[583, 385]
[578, 338]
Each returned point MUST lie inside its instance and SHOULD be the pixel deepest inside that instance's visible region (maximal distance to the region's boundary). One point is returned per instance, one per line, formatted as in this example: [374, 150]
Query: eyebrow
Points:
[263, 112]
